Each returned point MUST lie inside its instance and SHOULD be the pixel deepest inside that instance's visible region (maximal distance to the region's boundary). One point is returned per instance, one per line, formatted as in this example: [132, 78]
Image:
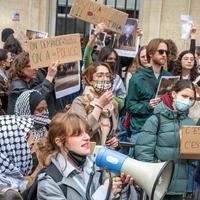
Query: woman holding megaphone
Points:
[67, 148]
[159, 138]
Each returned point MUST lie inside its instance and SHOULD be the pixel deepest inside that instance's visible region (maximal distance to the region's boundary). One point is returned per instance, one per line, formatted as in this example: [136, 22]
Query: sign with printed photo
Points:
[67, 79]
[127, 41]
[30, 34]
[100, 40]
[166, 84]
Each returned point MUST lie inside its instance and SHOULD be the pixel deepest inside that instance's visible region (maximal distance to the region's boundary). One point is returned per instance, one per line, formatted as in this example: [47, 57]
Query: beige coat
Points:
[78, 106]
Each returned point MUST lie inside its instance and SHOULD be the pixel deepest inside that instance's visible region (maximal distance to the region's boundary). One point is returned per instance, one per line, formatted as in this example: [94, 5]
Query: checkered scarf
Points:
[22, 107]
[15, 154]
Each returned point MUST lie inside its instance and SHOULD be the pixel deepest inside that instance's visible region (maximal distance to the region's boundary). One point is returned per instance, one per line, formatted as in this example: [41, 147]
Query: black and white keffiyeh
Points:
[15, 154]
[23, 108]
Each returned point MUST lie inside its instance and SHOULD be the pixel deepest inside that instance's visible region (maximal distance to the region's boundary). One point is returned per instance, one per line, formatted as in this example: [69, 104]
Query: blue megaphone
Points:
[153, 178]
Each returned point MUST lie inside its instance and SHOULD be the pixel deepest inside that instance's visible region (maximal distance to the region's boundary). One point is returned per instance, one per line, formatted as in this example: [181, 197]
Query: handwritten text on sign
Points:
[95, 13]
[43, 52]
[190, 141]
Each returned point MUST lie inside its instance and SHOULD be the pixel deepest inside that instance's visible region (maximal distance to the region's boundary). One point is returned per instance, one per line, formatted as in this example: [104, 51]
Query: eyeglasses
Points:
[188, 58]
[162, 51]
[103, 75]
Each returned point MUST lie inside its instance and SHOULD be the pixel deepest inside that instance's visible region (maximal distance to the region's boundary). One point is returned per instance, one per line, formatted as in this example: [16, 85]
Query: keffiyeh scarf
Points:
[15, 154]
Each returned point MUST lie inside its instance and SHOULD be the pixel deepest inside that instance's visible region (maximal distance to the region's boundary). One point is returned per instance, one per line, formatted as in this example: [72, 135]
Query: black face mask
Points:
[108, 42]
[79, 160]
[113, 66]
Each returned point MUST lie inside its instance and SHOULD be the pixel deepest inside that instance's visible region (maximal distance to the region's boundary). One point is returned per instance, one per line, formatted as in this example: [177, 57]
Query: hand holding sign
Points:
[99, 28]
[52, 71]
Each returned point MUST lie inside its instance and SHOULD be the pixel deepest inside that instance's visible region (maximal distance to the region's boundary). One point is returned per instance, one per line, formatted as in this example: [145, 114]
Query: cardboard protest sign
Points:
[166, 84]
[190, 142]
[65, 48]
[96, 13]
[68, 79]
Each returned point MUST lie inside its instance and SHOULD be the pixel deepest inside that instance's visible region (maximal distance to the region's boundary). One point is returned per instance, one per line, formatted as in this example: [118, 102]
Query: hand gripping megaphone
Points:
[153, 178]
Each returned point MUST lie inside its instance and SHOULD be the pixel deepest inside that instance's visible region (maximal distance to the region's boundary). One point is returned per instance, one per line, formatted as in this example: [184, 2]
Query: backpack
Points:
[51, 170]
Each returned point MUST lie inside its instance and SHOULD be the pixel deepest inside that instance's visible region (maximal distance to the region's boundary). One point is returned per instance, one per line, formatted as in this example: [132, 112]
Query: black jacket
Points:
[18, 86]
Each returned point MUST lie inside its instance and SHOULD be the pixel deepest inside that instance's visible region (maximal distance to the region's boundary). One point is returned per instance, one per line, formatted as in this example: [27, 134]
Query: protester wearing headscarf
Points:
[15, 152]
[32, 102]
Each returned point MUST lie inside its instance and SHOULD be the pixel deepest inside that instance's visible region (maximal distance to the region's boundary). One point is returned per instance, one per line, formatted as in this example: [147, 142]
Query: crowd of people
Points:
[45, 142]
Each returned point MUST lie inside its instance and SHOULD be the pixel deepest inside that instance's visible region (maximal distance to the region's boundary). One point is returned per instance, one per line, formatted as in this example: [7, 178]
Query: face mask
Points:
[42, 119]
[108, 42]
[102, 86]
[182, 104]
[112, 65]
[79, 160]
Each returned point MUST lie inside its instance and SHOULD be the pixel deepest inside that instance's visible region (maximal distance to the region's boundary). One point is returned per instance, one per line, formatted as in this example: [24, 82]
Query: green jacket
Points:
[140, 92]
[153, 146]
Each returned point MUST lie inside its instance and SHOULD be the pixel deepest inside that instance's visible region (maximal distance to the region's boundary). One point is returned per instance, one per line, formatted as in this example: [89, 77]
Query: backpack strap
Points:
[56, 175]
[31, 192]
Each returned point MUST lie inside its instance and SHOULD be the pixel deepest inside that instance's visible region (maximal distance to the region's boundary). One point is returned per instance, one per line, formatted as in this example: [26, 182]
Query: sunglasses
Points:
[162, 51]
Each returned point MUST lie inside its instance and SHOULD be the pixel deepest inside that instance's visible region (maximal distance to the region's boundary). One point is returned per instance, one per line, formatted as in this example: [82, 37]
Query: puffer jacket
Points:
[164, 144]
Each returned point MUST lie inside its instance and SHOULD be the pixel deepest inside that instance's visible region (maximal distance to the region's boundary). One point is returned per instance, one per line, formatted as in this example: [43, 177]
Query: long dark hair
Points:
[3, 55]
[177, 70]
[105, 52]
[20, 62]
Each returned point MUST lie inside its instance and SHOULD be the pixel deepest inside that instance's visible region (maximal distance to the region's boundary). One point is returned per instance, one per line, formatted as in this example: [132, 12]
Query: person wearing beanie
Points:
[5, 33]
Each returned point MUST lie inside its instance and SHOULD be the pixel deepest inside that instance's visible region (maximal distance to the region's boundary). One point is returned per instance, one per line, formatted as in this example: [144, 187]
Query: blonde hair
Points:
[62, 125]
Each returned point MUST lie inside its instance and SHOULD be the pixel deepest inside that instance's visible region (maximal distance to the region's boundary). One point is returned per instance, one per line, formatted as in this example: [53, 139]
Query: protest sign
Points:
[96, 13]
[100, 39]
[190, 142]
[186, 25]
[127, 43]
[67, 79]
[166, 84]
[30, 34]
[65, 48]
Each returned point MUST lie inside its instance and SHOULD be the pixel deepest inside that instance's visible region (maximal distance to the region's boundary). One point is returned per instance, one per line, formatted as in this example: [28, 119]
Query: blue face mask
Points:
[183, 104]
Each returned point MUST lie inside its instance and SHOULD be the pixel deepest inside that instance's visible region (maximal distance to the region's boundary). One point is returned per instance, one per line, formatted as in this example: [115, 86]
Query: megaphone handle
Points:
[109, 188]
